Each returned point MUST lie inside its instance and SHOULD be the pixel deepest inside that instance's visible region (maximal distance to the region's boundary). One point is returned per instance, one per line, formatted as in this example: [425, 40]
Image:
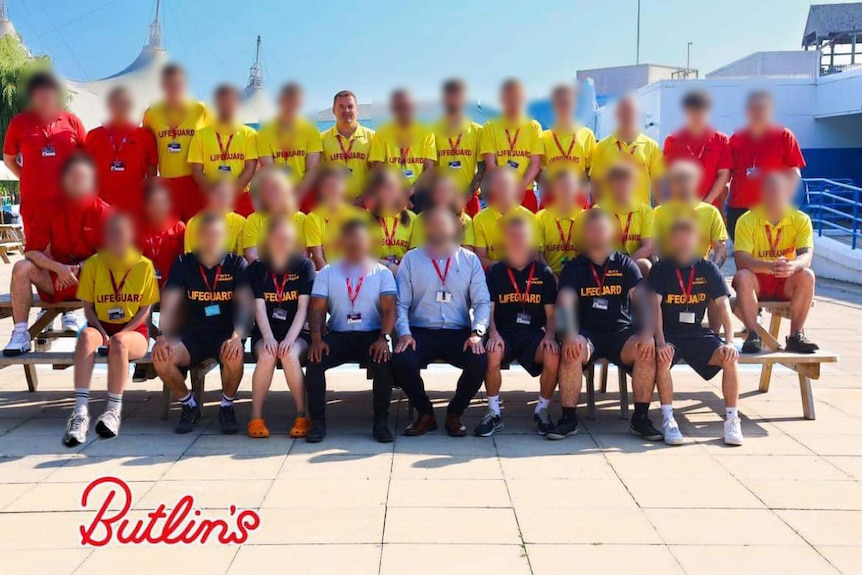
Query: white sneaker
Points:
[69, 322]
[672, 434]
[76, 429]
[733, 432]
[108, 424]
[19, 343]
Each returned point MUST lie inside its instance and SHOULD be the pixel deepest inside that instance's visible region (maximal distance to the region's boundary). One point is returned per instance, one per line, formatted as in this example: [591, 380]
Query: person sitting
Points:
[387, 199]
[162, 234]
[634, 220]
[281, 283]
[211, 285]
[221, 197]
[438, 285]
[523, 293]
[322, 226]
[501, 186]
[558, 223]
[68, 233]
[598, 288]
[118, 287]
[685, 284]
[773, 249]
[359, 294]
[443, 192]
[273, 195]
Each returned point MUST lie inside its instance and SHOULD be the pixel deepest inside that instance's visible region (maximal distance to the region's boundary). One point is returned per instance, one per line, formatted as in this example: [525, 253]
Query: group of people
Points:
[474, 245]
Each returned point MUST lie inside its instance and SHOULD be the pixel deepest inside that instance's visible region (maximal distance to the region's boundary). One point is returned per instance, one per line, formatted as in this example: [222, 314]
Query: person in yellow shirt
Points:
[514, 140]
[348, 143]
[272, 192]
[634, 219]
[226, 148]
[174, 122]
[773, 248]
[387, 199]
[559, 224]
[443, 192]
[683, 186]
[291, 142]
[404, 143]
[629, 144]
[221, 196]
[323, 225]
[567, 145]
[457, 138]
[502, 188]
[118, 287]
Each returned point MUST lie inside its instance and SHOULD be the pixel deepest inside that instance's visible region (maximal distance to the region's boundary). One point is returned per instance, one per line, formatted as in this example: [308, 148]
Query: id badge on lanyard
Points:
[175, 147]
[279, 314]
[523, 319]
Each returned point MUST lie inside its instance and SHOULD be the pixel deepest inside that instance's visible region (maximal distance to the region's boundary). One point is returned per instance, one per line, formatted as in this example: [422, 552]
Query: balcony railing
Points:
[834, 208]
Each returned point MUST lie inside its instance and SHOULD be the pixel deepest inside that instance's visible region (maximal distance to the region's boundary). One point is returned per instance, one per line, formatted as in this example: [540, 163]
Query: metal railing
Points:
[834, 208]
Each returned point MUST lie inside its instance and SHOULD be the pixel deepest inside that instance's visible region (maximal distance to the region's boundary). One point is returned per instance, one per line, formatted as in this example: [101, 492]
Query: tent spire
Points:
[6, 27]
[154, 38]
[255, 73]
[4, 15]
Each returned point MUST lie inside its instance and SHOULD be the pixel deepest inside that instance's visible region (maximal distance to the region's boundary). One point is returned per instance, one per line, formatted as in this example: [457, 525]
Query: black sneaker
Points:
[317, 432]
[542, 422]
[380, 430]
[188, 418]
[490, 424]
[753, 343]
[798, 343]
[645, 429]
[564, 428]
[227, 420]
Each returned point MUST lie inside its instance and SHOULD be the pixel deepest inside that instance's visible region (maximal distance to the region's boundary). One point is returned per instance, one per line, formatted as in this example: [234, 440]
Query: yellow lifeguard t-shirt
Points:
[289, 147]
[561, 234]
[406, 150]
[458, 151]
[513, 143]
[135, 281]
[757, 236]
[174, 130]
[568, 151]
[256, 225]
[233, 243]
[351, 153]
[709, 221]
[644, 153]
[223, 150]
[634, 224]
[488, 233]
[323, 225]
[391, 237]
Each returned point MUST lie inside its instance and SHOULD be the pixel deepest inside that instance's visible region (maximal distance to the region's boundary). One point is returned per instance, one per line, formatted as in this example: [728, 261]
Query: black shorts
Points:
[256, 337]
[202, 348]
[696, 349]
[609, 346]
[521, 344]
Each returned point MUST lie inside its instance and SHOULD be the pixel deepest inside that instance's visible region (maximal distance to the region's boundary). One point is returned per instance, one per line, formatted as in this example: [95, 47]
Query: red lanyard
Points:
[117, 149]
[119, 288]
[698, 155]
[568, 153]
[773, 242]
[454, 145]
[173, 127]
[513, 141]
[279, 287]
[625, 236]
[211, 288]
[351, 293]
[686, 291]
[633, 149]
[48, 131]
[442, 274]
[600, 282]
[155, 244]
[222, 148]
[565, 239]
[389, 238]
[529, 285]
[404, 153]
[344, 151]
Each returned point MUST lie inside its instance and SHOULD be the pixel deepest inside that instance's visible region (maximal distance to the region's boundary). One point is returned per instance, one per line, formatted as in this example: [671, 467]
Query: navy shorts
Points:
[202, 348]
[696, 349]
[521, 344]
[609, 346]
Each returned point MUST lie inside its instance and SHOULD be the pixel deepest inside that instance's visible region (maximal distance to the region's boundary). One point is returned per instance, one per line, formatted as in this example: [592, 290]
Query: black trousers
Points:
[439, 344]
[348, 347]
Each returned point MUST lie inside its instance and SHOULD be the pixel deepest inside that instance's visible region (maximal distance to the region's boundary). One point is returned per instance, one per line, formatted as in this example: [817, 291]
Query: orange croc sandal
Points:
[300, 428]
[257, 429]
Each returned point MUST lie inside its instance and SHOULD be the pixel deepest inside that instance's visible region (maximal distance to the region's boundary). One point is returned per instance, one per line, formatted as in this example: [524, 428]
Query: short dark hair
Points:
[352, 226]
[560, 89]
[76, 159]
[454, 86]
[117, 91]
[619, 171]
[399, 93]
[344, 94]
[208, 219]
[42, 81]
[153, 186]
[756, 95]
[697, 100]
[510, 83]
[596, 213]
[291, 89]
[685, 223]
[328, 171]
[223, 90]
[172, 69]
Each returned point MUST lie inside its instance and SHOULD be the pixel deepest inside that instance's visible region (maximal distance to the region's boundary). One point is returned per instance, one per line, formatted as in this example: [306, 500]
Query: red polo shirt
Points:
[70, 229]
[43, 149]
[711, 150]
[163, 247]
[123, 154]
[775, 149]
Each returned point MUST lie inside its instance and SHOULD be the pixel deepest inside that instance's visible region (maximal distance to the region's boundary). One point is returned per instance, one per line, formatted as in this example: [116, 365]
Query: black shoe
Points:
[490, 424]
[753, 343]
[380, 430]
[188, 418]
[542, 422]
[140, 373]
[798, 343]
[317, 432]
[644, 428]
[564, 428]
[227, 420]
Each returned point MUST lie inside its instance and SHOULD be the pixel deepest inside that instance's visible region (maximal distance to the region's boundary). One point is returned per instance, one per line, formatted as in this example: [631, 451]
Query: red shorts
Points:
[115, 328]
[60, 295]
[531, 202]
[771, 288]
[186, 196]
[474, 206]
[309, 202]
[244, 206]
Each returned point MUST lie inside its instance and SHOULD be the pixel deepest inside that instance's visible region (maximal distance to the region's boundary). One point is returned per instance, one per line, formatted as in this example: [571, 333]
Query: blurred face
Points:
[598, 235]
[564, 104]
[174, 86]
[158, 206]
[566, 188]
[454, 101]
[518, 239]
[683, 181]
[627, 113]
[119, 235]
[221, 197]
[402, 108]
[390, 194]
[274, 193]
[120, 106]
[345, 110]
[512, 100]
[45, 101]
[441, 228]
[696, 117]
[444, 192]
[79, 181]
[503, 189]
[211, 237]
[684, 243]
[280, 241]
[290, 103]
[332, 190]
[356, 244]
[622, 187]
[777, 191]
[227, 105]
[759, 111]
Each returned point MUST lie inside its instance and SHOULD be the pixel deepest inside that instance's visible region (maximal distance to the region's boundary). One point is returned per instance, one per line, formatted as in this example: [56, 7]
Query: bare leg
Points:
[550, 371]
[169, 371]
[261, 380]
[713, 314]
[729, 378]
[123, 347]
[747, 289]
[643, 373]
[231, 375]
[85, 357]
[292, 366]
[644, 265]
[800, 289]
[25, 275]
[493, 375]
[664, 382]
[571, 374]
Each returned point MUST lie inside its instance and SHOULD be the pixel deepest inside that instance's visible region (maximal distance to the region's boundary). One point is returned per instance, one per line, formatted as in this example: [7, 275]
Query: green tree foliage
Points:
[16, 66]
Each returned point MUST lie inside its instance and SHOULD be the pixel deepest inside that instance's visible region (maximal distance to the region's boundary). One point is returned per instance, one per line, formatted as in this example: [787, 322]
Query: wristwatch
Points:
[480, 331]
[386, 337]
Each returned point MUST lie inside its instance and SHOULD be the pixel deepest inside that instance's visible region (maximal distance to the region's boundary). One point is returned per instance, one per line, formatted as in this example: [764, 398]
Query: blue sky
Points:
[373, 45]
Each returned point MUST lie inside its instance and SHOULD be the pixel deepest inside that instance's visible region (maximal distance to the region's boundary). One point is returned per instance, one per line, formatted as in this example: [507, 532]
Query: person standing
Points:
[567, 146]
[38, 143]
[226, 149]
[438, 286]
[359, 295]
[347, 145]
[174, 122]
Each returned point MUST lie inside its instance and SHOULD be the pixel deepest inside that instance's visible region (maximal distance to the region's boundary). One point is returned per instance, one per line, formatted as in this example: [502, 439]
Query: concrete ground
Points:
[788, 501]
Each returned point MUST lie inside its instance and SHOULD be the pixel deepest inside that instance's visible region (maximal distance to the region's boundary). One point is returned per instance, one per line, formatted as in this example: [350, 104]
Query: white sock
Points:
[20, 327]
[82, 399]
[115, 401]
[666, 412]
[542, 404]
[226, 401]
[189, 400]
[494, 403]
[732, 413]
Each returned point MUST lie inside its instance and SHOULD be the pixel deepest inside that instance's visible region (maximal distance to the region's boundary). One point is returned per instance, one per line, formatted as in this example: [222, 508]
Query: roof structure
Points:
[831, 22]
[6, 26]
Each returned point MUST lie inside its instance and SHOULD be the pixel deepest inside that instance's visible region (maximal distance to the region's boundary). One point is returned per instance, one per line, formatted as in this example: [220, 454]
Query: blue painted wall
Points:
[833, 163]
